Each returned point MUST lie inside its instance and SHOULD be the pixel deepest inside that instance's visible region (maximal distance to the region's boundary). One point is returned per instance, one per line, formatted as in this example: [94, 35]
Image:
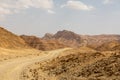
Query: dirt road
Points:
[11, 69]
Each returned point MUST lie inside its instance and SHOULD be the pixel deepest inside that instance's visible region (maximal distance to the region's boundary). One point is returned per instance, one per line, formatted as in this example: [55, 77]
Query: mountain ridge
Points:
[42, 44]
[58, 40]
[76, 40]
[10, 40]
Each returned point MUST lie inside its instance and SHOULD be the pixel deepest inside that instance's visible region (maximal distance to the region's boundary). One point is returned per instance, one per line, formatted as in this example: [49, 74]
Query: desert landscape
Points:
[59, 39]
[64, 55]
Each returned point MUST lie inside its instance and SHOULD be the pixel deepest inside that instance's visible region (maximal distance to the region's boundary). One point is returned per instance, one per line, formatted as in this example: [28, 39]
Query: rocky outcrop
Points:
[78, 66]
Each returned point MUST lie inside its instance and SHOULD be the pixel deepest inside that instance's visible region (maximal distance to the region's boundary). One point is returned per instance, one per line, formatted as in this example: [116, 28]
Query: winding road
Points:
[12, 69]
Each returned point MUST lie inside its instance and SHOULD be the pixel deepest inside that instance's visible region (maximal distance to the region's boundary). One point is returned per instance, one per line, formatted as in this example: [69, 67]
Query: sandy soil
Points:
[11, 69]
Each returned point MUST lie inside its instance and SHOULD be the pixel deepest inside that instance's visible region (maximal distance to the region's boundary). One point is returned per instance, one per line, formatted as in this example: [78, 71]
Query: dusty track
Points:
[11, 69]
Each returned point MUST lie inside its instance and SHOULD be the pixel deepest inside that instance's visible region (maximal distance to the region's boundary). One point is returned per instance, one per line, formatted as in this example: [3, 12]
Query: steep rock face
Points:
[10, 40]
[41, 44]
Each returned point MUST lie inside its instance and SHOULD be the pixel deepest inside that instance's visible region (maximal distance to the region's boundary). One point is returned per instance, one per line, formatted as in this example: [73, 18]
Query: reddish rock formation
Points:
[68, 38]
[41, 44]
[74, 40]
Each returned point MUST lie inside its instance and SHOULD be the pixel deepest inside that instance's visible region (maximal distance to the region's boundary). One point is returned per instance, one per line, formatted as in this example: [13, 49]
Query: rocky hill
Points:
[10, 40]
[59, 40]
[74, 40]
[77, 65]
[109, 46]
[42, 44]
[90, 58]
[98, 40]
[68, 38]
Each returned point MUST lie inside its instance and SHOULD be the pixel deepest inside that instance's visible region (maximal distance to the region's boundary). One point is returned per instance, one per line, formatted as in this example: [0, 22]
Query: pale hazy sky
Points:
[36, 17]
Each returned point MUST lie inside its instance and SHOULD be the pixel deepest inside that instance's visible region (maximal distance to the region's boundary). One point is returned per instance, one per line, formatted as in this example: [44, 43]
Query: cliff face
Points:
[10, 40]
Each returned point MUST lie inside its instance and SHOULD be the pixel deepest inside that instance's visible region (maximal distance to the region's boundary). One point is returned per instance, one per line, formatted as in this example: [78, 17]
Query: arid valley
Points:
[59, 39]
[64, 55]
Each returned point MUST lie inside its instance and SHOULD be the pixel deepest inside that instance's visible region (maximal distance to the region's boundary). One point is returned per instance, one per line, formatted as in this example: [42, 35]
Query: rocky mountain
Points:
[42, 44]
[90, 58]
[74, 40]
[59, 40]
[68, 38]
[76, 65]
[54, 41]
[10, 40]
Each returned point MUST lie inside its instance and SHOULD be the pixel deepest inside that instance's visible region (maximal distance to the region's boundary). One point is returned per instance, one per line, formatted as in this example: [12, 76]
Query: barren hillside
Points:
[41, 44]
[98, 40]
[10, 40]
[13, 46]
[74, 40]
[76, 65]
[68, 38]
[109, 46]
[87, 58]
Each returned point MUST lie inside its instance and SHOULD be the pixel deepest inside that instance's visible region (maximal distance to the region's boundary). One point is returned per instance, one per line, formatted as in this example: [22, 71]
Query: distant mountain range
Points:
[58, 40]
[42, 44]
[74, 40]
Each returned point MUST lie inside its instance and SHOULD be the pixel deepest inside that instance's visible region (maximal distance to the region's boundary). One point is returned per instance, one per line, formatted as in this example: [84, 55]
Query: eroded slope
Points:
[10, 40]
[77, 65]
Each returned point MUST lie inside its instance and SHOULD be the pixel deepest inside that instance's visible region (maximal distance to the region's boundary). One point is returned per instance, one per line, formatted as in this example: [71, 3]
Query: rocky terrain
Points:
[76, 65]
[42, 44]
[109, 46]
[92, 58]
[74, 40]
[98, 40]
[61, 56]
[13, 46]
[66, 38]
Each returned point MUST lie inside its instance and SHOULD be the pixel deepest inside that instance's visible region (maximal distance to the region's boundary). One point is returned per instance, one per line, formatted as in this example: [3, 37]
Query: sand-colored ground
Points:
[12, 68]
[75, 64]
[6, 54]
